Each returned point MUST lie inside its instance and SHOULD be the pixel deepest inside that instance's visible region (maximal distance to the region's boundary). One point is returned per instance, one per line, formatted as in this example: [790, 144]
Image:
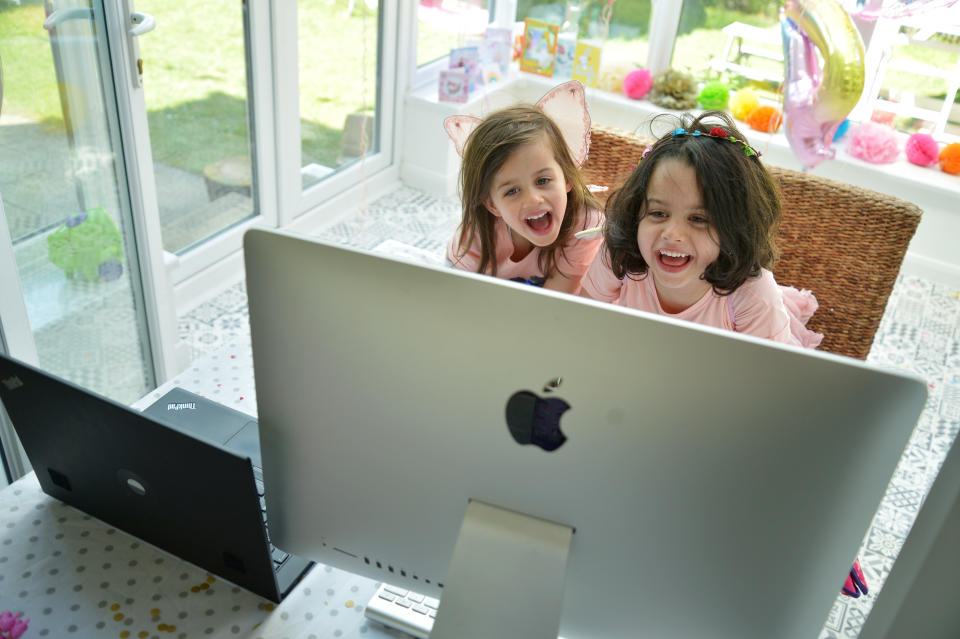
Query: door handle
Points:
[62, 15]
[142, 23]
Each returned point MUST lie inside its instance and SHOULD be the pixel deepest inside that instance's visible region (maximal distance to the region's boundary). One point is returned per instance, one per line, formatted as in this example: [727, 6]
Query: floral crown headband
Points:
[716, 132]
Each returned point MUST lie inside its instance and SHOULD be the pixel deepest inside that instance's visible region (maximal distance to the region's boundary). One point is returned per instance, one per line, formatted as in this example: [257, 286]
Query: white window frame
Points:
[504, 15]
[291, 200]
[664, 22]
[274, 101]
[884, 36]
[213, 261]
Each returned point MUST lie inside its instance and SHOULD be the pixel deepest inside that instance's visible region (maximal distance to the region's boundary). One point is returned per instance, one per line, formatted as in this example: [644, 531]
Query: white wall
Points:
[428, 161]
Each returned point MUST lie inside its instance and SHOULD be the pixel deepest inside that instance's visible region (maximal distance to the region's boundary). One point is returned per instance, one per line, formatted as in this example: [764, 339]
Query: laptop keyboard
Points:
[279, 556]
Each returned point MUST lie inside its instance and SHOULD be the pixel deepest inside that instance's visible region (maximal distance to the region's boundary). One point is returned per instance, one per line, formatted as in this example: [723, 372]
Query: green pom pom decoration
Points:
[714, 96]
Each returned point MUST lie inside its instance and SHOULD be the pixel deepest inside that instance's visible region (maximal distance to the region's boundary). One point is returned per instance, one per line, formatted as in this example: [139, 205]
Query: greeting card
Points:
[498, 34]
[497, 48]
[454, 86]
[566, 46]
[539, 47]
[492, 74]
[586, 63]
[468, 59]
[465, 57]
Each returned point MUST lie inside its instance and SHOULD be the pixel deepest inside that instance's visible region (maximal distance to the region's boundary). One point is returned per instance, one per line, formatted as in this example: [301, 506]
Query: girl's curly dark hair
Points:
[741, 196]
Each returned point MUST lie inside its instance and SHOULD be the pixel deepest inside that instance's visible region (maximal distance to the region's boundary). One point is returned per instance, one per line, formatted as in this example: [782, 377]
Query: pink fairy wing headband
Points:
[566, 104]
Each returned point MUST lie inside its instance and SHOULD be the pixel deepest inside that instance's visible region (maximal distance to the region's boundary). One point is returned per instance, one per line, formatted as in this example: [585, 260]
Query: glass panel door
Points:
[338, 44]
[66, 199]
[195, 88]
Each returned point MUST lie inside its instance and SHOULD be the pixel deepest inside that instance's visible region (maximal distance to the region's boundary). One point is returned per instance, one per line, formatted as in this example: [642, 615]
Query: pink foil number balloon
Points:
[817, 100]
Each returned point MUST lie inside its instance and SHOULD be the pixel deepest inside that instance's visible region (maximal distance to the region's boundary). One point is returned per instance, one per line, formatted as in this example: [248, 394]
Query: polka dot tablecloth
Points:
[74, 576]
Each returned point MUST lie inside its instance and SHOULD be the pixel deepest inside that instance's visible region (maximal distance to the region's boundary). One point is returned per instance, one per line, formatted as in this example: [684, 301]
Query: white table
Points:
[75, 576]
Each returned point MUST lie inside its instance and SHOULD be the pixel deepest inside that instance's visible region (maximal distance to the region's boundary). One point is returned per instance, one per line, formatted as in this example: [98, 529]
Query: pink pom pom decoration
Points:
[874, 143]
[637, 83]
[922, 149]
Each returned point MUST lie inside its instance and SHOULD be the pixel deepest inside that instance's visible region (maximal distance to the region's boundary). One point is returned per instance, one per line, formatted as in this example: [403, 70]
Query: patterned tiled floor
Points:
[920, 333]
[404, 217]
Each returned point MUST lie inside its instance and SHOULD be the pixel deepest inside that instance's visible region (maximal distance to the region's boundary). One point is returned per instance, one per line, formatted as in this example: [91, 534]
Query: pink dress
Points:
[574, 261]
[759, 307]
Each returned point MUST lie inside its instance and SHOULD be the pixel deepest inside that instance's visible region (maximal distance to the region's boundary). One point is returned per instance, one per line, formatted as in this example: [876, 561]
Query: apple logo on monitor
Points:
[535, 420]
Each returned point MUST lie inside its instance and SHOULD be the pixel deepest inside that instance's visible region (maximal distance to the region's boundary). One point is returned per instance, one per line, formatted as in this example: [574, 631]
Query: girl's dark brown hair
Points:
[740, 195]
[487, 149]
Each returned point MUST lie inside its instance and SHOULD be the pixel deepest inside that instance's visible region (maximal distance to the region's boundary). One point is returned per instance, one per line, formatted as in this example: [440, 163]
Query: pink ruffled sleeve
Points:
[766, 309]
[801, 305]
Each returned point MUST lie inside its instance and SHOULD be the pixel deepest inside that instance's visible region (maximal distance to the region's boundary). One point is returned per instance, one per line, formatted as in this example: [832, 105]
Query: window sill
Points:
[899, 178]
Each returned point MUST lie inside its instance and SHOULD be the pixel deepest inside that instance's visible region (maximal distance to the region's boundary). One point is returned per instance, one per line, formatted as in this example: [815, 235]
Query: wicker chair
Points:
[842, 242]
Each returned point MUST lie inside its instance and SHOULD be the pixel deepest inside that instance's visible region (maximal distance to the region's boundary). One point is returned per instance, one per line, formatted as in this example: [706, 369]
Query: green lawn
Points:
[29, 83]
[195, 76]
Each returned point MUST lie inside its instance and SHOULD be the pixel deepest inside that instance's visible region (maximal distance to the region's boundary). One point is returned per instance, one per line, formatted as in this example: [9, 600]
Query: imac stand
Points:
[506, 577]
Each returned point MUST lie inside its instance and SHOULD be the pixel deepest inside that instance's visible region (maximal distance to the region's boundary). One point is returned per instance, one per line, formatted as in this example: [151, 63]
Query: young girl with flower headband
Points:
[522, 194]
[691, 235]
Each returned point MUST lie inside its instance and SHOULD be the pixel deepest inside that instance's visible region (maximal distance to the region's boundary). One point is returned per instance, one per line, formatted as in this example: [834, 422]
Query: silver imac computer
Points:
[547, 464]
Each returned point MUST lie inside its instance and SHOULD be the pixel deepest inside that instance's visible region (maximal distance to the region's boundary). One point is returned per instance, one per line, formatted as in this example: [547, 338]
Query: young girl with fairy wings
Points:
[522, 193]
[691, 235]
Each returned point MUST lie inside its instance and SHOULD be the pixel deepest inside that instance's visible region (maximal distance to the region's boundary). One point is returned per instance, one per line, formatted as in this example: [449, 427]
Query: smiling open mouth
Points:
[672, 258]
[540, 223]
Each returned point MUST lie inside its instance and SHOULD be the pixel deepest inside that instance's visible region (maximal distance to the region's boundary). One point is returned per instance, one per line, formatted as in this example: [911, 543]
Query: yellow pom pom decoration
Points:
[743, 102]
[611, 77]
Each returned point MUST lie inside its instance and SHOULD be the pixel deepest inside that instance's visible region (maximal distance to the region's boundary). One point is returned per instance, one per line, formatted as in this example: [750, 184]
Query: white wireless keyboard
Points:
[405, 610]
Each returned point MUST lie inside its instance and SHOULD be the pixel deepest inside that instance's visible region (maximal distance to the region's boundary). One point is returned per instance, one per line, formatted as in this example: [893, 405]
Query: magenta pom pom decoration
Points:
[922, 149]
[874, 143]
[637, 83]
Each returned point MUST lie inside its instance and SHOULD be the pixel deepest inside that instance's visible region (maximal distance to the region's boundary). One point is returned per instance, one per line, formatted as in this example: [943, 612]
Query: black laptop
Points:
[196, 495]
